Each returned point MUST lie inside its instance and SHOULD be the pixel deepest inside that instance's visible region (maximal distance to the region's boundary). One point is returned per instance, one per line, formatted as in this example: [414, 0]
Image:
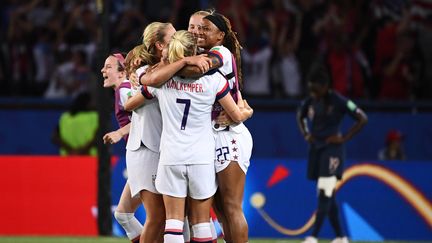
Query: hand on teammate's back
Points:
[133, 79]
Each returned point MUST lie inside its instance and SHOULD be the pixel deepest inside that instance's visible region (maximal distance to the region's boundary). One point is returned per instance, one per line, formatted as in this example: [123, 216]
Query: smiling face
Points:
[112, 77]
[211, 35]
[195, 27]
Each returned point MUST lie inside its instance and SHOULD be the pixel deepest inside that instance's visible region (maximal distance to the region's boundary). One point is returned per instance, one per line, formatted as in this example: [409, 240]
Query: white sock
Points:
[130, 224]
[213, 230]
[201, 233]
[173, 231]
[186, 230]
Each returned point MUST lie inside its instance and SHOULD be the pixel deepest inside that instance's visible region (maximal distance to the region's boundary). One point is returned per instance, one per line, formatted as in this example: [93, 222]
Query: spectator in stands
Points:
[309, 43]
[349, 35]
[393, 149]
[285, 67]
[77, 128]
[398, 61]
[256, 57]
[70, 78]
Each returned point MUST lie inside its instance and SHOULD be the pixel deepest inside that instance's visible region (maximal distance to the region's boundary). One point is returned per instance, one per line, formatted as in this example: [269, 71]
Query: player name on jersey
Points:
[188, 87]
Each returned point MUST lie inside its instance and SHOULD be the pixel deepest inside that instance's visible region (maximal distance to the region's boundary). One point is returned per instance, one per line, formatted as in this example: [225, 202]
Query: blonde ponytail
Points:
[182, 44]
[131, 57]
[153, 33]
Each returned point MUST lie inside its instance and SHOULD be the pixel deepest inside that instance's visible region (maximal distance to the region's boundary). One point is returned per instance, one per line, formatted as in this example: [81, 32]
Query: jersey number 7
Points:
[185, 112]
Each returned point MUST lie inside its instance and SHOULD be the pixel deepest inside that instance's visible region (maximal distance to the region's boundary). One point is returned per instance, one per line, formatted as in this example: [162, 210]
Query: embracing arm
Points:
[194, 71]
[235, 113]
[162, 73]
[134, 102]
[224, 118]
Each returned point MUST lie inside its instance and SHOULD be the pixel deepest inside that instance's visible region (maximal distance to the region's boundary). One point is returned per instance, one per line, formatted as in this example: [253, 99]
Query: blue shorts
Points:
[325, 161]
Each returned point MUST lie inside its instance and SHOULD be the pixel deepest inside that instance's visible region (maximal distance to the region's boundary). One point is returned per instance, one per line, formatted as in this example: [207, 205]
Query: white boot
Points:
[340, 240]
[310, 239]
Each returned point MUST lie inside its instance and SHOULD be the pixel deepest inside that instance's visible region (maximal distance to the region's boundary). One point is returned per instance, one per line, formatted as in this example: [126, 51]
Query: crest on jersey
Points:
[334, 164]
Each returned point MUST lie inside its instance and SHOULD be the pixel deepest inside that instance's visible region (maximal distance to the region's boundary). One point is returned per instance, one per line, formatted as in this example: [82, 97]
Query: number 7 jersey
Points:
[187, 136]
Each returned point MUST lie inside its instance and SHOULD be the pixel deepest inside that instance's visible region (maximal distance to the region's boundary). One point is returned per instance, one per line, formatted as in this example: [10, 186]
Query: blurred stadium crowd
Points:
[374, 49]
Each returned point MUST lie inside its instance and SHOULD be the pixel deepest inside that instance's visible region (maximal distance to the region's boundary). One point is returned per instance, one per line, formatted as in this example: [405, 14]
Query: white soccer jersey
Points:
[146, 124]
[187, 136]
[124, 93]
[226, 58]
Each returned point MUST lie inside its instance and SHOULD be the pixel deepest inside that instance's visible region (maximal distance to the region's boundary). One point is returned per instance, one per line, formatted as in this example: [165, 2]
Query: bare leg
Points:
[174, 211]
[218, 208]
[231, 185]
[199, 217]
[125, 214]
[155, 217]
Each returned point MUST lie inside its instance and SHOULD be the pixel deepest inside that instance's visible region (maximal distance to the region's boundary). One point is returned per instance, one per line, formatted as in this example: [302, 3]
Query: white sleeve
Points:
[223, 88]
[124, 95]
[149, 92]
[224, 54]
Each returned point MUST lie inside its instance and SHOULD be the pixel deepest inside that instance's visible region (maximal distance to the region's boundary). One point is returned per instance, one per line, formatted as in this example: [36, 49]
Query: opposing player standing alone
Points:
[325, 109]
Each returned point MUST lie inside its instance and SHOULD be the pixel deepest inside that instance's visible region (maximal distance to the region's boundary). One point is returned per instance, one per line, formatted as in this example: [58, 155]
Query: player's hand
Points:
[112, 137]
[247, 106]
[335, 139]
[309, 138]
[133, 78]
[224, 119]
[203, 62]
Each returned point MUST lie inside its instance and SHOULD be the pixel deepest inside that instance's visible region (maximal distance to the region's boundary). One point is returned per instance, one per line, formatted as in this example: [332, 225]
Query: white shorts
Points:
[141, 165]
[233, 146]
[197, 181]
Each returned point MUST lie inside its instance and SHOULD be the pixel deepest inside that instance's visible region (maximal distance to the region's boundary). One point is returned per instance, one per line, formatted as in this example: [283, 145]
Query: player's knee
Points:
[232, 207]
[155, 221]
[123, 218]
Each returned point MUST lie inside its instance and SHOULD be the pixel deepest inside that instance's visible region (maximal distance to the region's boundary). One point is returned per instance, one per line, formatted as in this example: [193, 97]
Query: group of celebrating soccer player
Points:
[179, 106]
